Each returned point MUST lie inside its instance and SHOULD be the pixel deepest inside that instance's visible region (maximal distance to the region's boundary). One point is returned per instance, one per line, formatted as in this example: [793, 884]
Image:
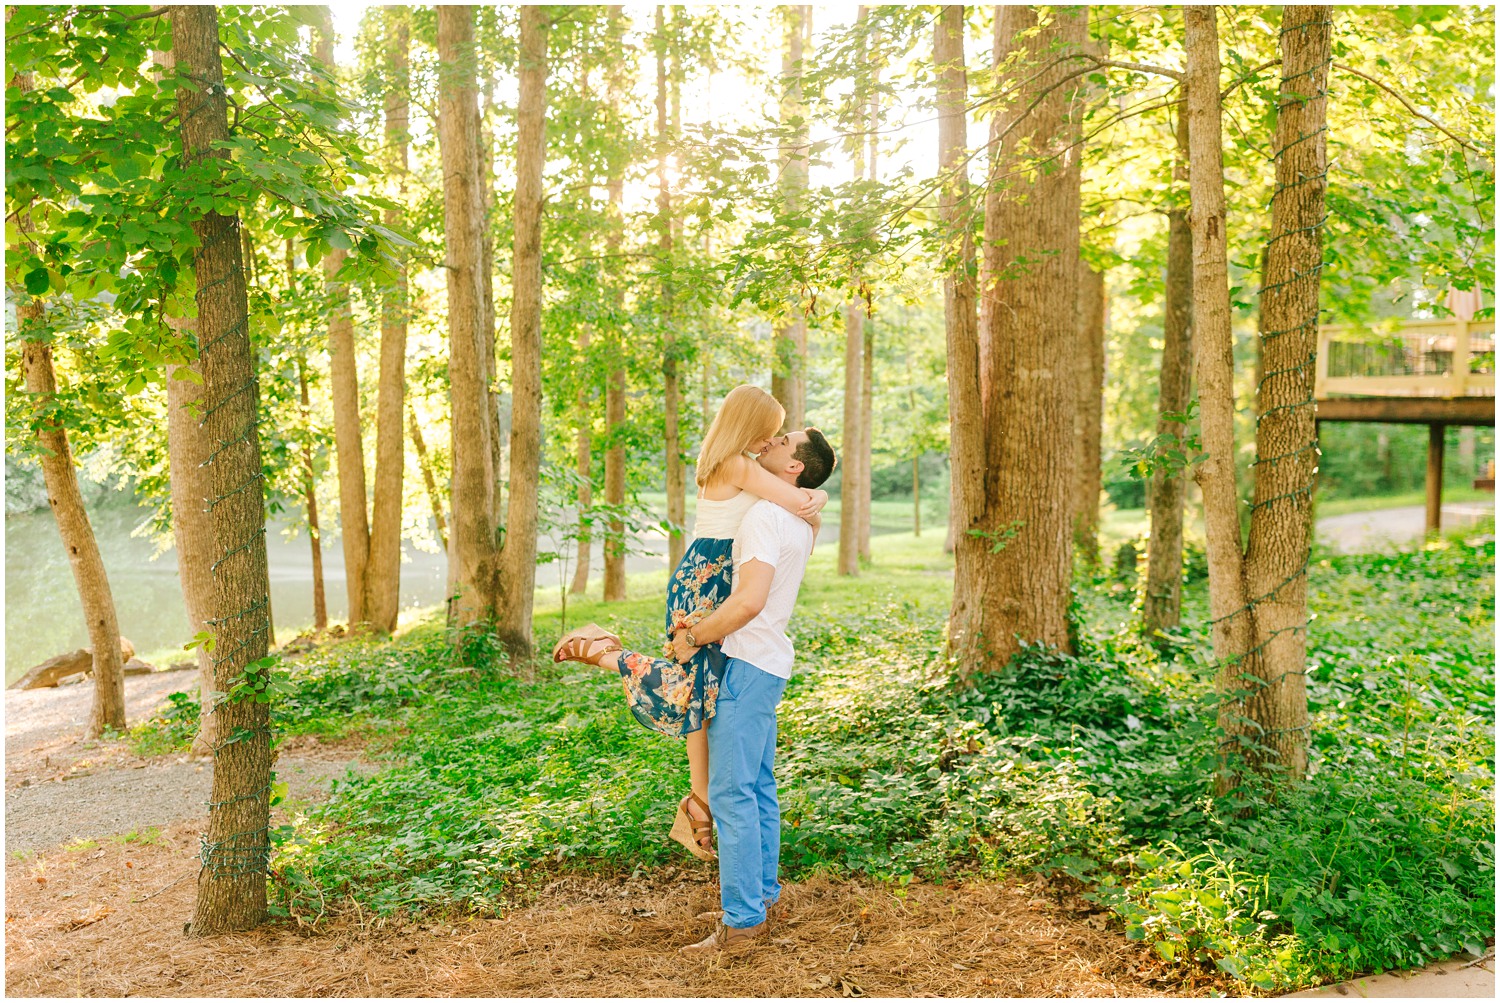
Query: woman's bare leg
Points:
[697, 753]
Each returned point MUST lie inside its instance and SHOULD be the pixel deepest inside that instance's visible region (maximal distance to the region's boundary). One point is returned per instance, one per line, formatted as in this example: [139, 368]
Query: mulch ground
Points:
[107, 920]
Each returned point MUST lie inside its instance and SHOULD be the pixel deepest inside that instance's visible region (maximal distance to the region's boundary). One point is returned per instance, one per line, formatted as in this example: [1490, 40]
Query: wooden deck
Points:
[1434, 373]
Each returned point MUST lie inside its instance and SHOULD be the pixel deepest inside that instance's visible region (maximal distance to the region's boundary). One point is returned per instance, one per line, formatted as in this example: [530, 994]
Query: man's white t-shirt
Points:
[772, 535]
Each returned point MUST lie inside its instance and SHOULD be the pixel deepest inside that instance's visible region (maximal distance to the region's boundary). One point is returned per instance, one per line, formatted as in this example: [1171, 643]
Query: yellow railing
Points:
[1419, 358]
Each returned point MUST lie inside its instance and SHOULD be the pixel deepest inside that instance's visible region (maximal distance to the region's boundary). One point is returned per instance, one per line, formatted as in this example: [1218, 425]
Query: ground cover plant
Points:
[1094, 768]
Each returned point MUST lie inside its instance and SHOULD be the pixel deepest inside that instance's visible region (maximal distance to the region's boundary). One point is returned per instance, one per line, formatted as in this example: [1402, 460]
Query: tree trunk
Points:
[1089, 415]
[916, 495]
[310, 492]
[192, 531]
[614, 388]
[1285, 441]
[473, 554]
[354, 527]
[585, 473]
[494, 435]
[854, 340]
[961, 321]
[518, 556]
[429, 481]
[383, 588]
[867, 368]
[235, 851]
[1162, 604]
[672, 391]
[66, 501]
[789, 342]
[1026, 385]
[1230, 618]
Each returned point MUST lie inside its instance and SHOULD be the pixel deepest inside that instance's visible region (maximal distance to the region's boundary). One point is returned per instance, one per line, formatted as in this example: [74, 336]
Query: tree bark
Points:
[428, 480]
[1230, 617]
[585, 460]
[1162, 604]
[789, 341]
[961, 322]
[383, 587]
[867, 333]
[518, 556]
[348, 439]
[615, 386]
[73, 526]
[494, 435]
[192, 531]
[1089, 415]
[1017, 587]
[672, 390]
[310, 492]
[854, 340]
[235, 852]
[473, 554]
[1285, 441]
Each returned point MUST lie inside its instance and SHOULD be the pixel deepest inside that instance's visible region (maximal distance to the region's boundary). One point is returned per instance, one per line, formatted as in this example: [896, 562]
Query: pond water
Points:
[44, 618]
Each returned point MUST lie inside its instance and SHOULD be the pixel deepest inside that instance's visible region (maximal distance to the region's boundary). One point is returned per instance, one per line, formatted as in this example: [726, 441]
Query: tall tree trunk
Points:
[1162, 605]
[585, 458]
[1024, 561]
[235, 851]
[961, 322]
[428, 480]
[66, 501]
[789, 340]
[348, 439]
[383, 588]
[518, 556]
[192, 532]
[309, 471]
[1231, 619]
[614, 388]
[854, 340]
[473, 554]
[1285, 441]
[310, 492]
[672, 391]
[1089, 415]
[867, 367]
[494, 434]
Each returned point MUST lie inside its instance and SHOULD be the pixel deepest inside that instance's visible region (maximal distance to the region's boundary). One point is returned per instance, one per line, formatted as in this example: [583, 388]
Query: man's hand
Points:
[681, 650]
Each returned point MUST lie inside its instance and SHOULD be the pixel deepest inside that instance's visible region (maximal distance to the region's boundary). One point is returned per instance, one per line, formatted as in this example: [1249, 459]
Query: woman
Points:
[678, 699]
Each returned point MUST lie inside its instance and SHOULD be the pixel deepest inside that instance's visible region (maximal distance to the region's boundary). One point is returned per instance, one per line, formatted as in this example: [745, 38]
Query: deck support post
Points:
[1435, 432]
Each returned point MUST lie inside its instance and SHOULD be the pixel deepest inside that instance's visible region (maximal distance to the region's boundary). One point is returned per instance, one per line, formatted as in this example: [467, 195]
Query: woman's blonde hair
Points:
[747, 416]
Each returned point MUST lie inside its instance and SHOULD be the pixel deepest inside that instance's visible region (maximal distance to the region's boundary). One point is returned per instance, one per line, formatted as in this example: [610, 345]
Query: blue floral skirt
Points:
[663, 695]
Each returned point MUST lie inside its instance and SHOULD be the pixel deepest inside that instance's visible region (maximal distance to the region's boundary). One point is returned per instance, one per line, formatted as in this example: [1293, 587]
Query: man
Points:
[770, 557]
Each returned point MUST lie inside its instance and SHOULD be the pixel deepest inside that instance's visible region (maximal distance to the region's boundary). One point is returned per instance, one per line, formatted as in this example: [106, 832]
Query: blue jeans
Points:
[742, 791]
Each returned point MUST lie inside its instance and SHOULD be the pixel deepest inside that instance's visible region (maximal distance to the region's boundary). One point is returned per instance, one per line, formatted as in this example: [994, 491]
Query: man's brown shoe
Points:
[724, 938]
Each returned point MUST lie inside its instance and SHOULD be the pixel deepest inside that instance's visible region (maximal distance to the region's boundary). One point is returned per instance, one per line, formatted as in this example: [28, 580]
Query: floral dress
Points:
[665, 696]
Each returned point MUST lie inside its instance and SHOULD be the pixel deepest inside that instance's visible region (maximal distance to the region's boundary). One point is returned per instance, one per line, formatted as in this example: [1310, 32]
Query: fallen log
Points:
[55, 669]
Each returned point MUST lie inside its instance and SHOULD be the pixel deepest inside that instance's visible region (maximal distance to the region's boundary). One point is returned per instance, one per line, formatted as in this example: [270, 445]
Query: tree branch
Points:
[1411, 108]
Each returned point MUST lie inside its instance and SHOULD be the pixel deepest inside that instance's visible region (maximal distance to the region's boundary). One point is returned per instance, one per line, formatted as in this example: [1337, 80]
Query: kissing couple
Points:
[728, 657]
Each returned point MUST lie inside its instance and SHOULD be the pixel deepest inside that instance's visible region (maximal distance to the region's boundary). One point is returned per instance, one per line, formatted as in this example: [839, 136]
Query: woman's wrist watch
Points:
[691, 640]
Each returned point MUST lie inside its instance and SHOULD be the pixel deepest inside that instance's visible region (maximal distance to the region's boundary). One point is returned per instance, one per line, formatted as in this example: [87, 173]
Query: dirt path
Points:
[60, 788]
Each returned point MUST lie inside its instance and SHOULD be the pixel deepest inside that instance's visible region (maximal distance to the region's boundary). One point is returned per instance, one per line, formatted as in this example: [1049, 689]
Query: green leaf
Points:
[37, 281]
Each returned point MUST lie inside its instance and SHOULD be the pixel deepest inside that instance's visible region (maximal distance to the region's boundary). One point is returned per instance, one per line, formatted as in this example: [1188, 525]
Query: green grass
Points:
[1094, 768]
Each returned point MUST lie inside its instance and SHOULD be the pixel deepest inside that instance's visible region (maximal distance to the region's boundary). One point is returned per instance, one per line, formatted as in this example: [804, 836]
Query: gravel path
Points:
[1358, 532]
[59, 788]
